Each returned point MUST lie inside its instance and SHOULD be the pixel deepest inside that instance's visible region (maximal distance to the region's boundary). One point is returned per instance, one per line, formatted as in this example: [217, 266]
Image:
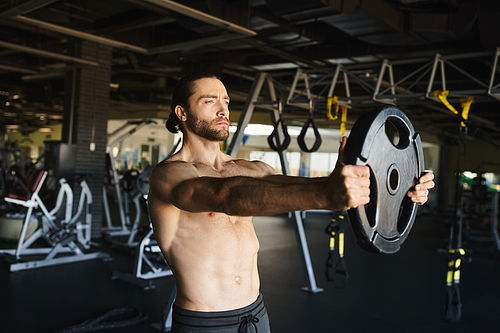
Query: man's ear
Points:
[180, 112]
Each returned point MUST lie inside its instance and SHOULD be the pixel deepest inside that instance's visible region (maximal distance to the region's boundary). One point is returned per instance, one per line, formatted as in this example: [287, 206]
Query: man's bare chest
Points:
[229, 169]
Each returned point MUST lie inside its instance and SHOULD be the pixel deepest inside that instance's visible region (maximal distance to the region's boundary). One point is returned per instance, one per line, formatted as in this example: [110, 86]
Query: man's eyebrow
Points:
[212, 96]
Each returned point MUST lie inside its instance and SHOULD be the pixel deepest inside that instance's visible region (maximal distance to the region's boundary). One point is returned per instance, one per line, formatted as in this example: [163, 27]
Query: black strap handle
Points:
[300, 138]
[273, 139]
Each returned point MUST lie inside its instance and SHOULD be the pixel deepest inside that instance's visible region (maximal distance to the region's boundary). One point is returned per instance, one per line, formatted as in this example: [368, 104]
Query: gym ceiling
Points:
[156, 42]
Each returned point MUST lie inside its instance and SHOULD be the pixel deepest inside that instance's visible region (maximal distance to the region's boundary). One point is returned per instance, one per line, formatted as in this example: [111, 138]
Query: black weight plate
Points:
[396, 162]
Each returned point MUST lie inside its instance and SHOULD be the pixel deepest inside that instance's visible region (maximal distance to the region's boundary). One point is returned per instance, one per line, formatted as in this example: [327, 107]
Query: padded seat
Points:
[17, 196]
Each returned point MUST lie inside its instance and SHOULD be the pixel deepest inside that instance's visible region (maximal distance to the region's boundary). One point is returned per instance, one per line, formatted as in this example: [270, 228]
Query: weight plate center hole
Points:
[393, 179]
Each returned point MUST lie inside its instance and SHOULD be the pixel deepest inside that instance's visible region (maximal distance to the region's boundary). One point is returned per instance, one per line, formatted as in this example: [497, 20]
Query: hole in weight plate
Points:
[392, 132]
[394, 179]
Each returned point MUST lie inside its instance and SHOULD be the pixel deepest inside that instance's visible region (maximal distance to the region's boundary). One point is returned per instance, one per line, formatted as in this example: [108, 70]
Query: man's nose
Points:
[224, 110]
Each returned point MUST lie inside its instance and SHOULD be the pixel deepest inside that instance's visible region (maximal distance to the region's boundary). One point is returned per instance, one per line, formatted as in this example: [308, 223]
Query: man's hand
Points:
[348, 185]
[421, 192]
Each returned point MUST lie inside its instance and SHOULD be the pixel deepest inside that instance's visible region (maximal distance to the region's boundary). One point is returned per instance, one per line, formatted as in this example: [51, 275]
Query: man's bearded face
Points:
[206, 129]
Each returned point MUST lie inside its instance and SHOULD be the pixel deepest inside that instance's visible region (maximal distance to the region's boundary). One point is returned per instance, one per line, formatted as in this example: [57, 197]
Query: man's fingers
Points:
[357, 183]
[341, 158]
[356, 171]
[426, 181]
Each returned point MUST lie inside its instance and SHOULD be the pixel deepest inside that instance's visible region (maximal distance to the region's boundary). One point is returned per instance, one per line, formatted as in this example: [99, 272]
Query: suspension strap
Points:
[453, 303]
[343, 120]
[465, 103]
[274, 139]
[302, 135]
[332, 100]
[443, 95]
[336, 270]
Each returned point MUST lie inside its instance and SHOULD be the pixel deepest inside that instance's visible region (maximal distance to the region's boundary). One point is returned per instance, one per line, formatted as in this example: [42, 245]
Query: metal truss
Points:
[359, 86]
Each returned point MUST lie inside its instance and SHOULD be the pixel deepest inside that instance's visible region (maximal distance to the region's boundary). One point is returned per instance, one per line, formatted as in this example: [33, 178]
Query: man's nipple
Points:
[211, 214]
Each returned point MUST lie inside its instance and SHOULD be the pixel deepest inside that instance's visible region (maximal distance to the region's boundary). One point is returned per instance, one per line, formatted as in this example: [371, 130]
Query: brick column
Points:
[87, 108]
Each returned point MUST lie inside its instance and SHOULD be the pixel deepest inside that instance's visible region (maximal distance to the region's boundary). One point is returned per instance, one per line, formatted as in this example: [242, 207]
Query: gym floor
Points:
[402, 292]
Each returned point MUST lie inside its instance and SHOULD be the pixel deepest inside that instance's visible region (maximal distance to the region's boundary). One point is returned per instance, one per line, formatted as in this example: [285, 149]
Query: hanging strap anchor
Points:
[305, 127]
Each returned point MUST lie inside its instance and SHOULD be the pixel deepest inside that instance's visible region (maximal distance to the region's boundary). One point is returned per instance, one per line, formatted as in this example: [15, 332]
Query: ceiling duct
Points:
[378, 22]
[300, 10]
[373, 21]
[443, 27]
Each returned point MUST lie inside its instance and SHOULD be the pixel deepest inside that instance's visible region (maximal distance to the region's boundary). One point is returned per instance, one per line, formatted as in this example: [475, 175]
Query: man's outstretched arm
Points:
[248, 196]
[179, 184]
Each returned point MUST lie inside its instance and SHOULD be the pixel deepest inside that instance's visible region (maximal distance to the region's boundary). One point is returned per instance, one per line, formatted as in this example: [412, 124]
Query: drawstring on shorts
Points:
[245, 321]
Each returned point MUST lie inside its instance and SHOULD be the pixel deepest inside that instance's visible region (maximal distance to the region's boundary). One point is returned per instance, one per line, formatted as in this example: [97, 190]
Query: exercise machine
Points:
[149, 262]
[125, 190]
[68, 237]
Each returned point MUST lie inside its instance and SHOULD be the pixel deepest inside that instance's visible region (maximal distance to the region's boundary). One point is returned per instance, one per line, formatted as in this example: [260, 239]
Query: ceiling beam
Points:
[46, 54]
[203, 17]
[82, 35]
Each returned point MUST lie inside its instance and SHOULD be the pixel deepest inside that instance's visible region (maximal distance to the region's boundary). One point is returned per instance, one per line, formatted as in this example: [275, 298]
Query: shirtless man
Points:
[201, 203]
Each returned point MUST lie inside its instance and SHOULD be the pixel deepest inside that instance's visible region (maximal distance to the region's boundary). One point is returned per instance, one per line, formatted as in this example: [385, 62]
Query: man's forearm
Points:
[245, 196]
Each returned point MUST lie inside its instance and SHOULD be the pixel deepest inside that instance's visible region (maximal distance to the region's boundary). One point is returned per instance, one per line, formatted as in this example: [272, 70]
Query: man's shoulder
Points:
[170, 167]
[260, 168]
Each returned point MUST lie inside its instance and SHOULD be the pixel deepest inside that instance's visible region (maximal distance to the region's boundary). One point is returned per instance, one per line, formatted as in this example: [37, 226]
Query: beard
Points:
[204, 129]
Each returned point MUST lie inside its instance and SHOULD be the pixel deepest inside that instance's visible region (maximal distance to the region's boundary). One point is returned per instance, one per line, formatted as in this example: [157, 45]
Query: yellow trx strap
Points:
[332, 241]
[336, 270]
[332, 100]
[333, 232]
[335, 100]
[341, 244]
[343, 121]
[453, 275]
[442, 95]
[466, 103]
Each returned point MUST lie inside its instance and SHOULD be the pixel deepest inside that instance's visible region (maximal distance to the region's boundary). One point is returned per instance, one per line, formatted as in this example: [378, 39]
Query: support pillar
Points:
[86, 120]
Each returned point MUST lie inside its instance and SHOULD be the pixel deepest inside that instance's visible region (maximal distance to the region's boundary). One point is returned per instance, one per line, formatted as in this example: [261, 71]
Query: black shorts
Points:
[249, 319]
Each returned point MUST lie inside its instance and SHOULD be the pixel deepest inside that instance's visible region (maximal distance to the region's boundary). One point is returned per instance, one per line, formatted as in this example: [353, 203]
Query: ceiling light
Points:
[270, 67]
[45, 130]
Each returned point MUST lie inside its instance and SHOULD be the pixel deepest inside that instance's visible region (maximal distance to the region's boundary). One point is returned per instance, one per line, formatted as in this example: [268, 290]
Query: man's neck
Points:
[199, 150]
